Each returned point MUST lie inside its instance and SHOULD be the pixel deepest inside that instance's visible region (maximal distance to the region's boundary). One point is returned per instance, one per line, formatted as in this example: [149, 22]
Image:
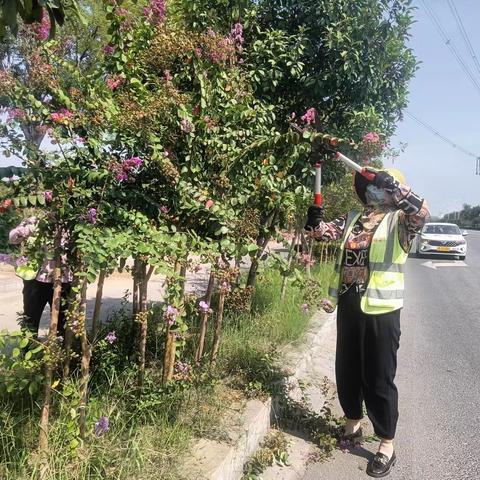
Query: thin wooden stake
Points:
[218, 326]
[204, 317]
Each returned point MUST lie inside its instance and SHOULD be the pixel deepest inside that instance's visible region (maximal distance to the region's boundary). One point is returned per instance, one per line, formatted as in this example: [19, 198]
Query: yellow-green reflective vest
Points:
[384, 292]
[28, 271]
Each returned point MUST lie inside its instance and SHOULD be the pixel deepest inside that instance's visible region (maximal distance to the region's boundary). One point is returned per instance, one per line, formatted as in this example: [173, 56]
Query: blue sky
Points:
[442, 96]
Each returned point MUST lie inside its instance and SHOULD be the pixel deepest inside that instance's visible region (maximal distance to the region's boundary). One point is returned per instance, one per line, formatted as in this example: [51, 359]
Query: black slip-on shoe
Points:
[380, 466]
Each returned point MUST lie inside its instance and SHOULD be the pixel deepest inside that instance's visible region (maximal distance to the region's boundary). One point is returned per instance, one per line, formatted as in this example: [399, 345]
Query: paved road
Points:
[438, 378]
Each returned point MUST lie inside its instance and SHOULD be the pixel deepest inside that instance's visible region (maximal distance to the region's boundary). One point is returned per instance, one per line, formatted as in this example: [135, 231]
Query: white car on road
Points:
[441, 239]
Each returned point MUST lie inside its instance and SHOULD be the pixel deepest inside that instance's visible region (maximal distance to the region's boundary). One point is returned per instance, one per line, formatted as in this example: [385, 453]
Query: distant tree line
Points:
[467, 217]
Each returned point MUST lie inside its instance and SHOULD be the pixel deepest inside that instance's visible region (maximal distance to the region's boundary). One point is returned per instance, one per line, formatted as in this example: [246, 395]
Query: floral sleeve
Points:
[333, 230]
[23, 231]
[413, 216]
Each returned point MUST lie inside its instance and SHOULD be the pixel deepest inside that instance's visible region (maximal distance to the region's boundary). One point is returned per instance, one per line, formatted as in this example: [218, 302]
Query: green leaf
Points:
[41, 199]
[15, 352]
[33, 200]
[23, 342]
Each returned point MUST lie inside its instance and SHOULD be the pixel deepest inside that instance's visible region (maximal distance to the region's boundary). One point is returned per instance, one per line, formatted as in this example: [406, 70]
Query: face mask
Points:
[374, 195]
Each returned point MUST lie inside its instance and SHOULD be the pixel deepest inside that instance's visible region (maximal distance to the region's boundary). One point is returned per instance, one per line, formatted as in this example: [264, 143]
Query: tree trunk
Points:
[69, 337]
[85, 364]
[218, 326]
[204, 317]
[98, 302]
[52, 338]
[135, 288]
[135, 306]
[291, 254]
[262, 242]
[142, 317]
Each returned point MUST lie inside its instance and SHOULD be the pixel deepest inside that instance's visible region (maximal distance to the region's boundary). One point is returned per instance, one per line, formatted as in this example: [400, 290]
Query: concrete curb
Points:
[213, 460]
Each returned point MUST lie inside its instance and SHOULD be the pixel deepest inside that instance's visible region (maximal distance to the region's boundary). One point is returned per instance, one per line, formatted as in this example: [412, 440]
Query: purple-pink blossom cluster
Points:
[236, 36]
[155, 12]
[113, 82]
[15, 114]
[371, 137]
[186, 126]
[108, 49]
[309, 116]
[111, 337]
[305, 308]
[62, 116]
[182, 368]
[204, 307]
[225, 286]
[124, 169]
[102, 426]
[6, 258]
[48, 195]
[92, 216]
[42, 29]
[170, 315]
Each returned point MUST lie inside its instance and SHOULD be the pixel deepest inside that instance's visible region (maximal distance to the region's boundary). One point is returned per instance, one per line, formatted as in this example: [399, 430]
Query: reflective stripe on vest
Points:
[385, 287]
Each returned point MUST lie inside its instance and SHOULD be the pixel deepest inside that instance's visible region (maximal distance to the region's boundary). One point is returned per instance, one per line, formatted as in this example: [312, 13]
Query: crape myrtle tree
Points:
[160, 153]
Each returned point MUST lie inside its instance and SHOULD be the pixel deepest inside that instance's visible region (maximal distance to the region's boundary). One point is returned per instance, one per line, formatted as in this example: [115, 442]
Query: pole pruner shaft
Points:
[369, 175]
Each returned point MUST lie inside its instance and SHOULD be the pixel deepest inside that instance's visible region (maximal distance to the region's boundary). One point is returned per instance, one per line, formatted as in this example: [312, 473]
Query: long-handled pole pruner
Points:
[369, 175]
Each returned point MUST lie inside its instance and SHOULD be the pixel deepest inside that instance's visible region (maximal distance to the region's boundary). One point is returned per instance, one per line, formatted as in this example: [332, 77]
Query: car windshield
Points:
[442, 229]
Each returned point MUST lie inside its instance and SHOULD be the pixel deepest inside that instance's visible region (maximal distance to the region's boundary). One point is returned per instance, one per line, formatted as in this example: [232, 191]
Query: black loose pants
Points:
[366, 363]
[36, 295]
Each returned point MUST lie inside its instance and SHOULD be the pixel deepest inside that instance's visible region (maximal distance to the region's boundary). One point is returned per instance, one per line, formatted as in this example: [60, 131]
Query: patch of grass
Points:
[250, 342]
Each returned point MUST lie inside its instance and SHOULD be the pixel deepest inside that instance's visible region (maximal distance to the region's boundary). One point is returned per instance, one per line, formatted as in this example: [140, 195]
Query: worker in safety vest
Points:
[367, 286]
[38, 278]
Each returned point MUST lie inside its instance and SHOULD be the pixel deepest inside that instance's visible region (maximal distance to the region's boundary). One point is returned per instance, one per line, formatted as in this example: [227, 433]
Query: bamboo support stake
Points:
[143, 287]
[218, 326]
[169, 359]
[204, 318]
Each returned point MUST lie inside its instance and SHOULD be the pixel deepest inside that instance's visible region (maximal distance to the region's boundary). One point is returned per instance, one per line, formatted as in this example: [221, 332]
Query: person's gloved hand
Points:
[384, 180]
[314, 217]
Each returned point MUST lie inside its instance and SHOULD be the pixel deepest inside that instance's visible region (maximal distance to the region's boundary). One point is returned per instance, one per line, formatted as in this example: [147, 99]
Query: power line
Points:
[447, 140]
[451, 45]
[464, 34]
